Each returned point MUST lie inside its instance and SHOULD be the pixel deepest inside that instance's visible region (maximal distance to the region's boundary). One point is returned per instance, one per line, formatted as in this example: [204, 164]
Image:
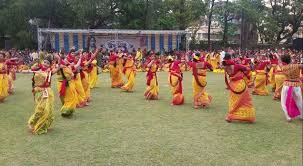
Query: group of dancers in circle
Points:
[77, 75]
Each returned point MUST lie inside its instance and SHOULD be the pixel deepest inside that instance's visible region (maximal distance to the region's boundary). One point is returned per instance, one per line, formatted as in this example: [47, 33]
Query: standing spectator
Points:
[34, 55]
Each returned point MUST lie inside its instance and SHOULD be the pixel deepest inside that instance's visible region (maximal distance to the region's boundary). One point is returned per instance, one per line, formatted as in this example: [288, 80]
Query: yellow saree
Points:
[116, 75]
[240, 101]
[82, 99]
[271, 76]
[130, 73]
[175, 81]
[43, 116]
[201, 98]
[260, 83]
[279, 81]
[152, 90]
[67, 91]
[93, 75]
[3, 82]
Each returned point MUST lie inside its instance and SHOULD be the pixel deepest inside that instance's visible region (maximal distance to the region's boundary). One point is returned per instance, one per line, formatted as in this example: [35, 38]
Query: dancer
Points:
[261, 79]
[66, 87]
[84, 74]
[3, 78]
[279, 80]
[175, 78]
[240, 101]
[274, 63]
[115, 72]
[11, 71]
[247, 62]
[199, 68]
[41, 120]
[92, 72]
[152, 90]
[214, 60]
[129, 69]
[73, 58]
[291, 96]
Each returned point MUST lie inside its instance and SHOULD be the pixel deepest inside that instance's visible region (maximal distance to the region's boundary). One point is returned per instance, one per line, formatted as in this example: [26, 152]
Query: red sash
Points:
[234, 79]
[150, 76]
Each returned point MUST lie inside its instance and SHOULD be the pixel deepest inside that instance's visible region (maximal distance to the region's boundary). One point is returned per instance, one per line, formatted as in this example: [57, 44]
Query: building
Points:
[216, 31]
[244, 34]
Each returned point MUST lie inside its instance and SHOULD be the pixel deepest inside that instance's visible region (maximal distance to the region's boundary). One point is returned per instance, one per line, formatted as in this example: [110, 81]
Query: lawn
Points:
[124, 129]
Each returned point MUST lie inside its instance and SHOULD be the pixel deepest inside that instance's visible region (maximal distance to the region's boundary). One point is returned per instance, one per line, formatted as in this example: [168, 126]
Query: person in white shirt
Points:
[34, 55]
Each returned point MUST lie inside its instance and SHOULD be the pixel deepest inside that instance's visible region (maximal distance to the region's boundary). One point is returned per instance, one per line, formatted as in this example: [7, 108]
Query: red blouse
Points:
[262, 65]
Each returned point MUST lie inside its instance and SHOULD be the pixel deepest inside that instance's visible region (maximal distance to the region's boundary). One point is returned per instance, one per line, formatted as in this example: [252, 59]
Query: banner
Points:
[130, 42]
[122, 42]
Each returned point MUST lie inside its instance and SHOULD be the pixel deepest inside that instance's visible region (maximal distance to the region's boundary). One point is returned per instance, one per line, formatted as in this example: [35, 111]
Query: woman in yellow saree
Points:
[67, 88]
[214, 60]
[82, 98]
[249, 81]
[279, 80]
[41, 120]
[74, 60]
[129, 69]
[271, 75]
[261, 79]
[11, 71]
[240, 101]
[86, 60]
[3, 78]
[115, 71]
[93, 73]
[152, 90]
[175, 78]
[84, 75]
[199, 68]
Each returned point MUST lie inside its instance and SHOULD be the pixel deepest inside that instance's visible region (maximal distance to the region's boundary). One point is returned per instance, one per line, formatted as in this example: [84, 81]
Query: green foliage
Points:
[123, 14]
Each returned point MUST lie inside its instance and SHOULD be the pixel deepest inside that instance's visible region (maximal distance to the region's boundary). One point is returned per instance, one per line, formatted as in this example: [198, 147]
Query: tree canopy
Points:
[20, 18]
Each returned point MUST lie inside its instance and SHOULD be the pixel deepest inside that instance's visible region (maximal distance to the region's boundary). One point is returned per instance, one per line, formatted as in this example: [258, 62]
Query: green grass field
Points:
[124, 129]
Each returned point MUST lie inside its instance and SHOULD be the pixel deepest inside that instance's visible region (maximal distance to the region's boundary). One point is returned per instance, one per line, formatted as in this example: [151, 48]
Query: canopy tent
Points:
[157, 40]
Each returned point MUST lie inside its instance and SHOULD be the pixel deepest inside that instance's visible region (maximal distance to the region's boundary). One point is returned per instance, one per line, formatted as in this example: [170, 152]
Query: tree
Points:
[211, 3]
[281, 20]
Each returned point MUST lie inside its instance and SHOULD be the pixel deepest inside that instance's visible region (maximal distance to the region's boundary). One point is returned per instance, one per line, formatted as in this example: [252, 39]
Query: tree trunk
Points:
[225, 25]
[242, 37]
[209, 24]
[181, 17]
[146, 17]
